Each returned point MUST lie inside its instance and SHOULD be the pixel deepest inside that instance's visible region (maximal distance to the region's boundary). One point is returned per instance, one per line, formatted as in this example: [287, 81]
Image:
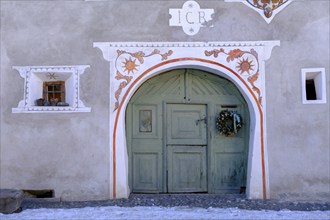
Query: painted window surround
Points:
[34, 76]
[132, 63]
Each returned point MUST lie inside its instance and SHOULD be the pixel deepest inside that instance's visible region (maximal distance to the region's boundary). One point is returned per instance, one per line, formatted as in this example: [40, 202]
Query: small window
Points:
[313, 86]
[145, 123]
[51, 89]
[54, 92]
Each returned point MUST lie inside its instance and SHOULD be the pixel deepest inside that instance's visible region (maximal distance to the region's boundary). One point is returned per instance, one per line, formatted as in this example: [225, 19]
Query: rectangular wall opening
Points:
[313, 86]
[310, 90]
[45, 193]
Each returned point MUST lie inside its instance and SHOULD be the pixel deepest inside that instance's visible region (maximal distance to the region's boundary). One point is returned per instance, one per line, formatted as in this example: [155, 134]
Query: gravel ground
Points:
[187, 200]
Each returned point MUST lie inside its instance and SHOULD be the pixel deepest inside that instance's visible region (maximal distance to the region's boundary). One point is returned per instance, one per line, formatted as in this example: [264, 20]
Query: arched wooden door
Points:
[173, 144]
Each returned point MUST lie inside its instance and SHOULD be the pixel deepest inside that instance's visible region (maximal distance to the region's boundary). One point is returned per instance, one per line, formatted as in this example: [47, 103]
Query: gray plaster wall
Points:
[70, 152]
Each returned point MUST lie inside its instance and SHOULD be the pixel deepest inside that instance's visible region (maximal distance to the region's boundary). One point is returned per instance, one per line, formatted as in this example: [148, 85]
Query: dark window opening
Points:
[310, 90]
[228, 106]
[46, 193]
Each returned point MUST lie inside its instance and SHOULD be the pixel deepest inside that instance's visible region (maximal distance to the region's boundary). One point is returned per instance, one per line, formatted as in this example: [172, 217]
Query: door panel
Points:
[229, 169]
[186, 169]
[186, 148]
[228, 159]
[186, 124]
[145, 172]
[146, 161]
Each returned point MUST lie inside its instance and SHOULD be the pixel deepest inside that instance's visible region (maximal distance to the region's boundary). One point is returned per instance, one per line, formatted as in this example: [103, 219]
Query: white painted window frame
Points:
[318, 75]
[34, 76]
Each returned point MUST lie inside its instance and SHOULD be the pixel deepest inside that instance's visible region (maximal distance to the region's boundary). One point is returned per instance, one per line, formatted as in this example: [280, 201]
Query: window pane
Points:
[145, 123]
[54, 91]
[50, 88]
[57, 87]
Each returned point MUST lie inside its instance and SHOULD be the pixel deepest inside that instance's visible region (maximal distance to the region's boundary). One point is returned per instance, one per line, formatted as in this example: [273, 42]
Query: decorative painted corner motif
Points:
[266, 8]
[247, 65]
[128, 63]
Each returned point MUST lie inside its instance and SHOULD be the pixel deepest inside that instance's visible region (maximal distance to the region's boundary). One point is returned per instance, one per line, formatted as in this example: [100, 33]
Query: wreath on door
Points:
[228, 122]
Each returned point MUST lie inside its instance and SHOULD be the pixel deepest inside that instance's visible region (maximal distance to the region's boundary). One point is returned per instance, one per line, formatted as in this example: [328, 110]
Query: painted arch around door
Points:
[224, 59]
[173, 144]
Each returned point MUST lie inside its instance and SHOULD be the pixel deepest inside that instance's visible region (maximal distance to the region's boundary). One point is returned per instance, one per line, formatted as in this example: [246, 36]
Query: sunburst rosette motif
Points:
[128, 65]
[246, 64]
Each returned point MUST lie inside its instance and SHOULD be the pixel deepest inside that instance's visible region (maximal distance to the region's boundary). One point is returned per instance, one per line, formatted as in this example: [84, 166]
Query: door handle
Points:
[199, 120]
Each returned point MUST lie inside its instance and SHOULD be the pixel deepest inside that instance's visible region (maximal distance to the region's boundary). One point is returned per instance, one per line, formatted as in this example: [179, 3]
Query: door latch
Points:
[202, 119]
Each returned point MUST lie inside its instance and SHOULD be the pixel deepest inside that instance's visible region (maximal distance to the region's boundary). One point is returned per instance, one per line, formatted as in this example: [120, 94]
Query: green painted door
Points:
[145, 148]
[186, 148]
[173, 144]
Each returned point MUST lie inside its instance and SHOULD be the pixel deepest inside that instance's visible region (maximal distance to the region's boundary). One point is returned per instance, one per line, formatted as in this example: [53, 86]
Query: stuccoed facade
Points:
[72, 152]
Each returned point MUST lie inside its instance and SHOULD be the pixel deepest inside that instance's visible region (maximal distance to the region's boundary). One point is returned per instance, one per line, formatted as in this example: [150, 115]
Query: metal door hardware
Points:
[202, 119]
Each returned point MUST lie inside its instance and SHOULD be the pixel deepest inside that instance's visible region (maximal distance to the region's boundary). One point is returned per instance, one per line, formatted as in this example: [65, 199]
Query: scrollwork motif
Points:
[247, 65]
[268, 6]
[130, 66]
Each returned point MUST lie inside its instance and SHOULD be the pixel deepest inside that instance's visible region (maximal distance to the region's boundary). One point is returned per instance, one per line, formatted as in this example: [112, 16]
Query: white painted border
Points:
[187, 55]
[26, 73]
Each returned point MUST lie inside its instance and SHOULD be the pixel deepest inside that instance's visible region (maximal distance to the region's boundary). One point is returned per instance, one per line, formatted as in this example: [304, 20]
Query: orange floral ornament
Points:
[129, 65]
[268, 6]
[245, 65]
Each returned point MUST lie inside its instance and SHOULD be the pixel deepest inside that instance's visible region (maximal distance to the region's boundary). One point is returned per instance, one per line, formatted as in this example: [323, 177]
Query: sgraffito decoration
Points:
[190, 17]
[266, 8]
[127, 63]
[247, 65]
[132, 63]
[35, 76]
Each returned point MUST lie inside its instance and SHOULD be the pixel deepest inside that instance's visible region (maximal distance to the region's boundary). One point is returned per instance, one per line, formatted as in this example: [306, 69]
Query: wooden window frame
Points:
[46, 92]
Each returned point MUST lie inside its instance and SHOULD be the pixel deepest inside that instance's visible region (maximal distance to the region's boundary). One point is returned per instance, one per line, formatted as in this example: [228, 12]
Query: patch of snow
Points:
[154, 213]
